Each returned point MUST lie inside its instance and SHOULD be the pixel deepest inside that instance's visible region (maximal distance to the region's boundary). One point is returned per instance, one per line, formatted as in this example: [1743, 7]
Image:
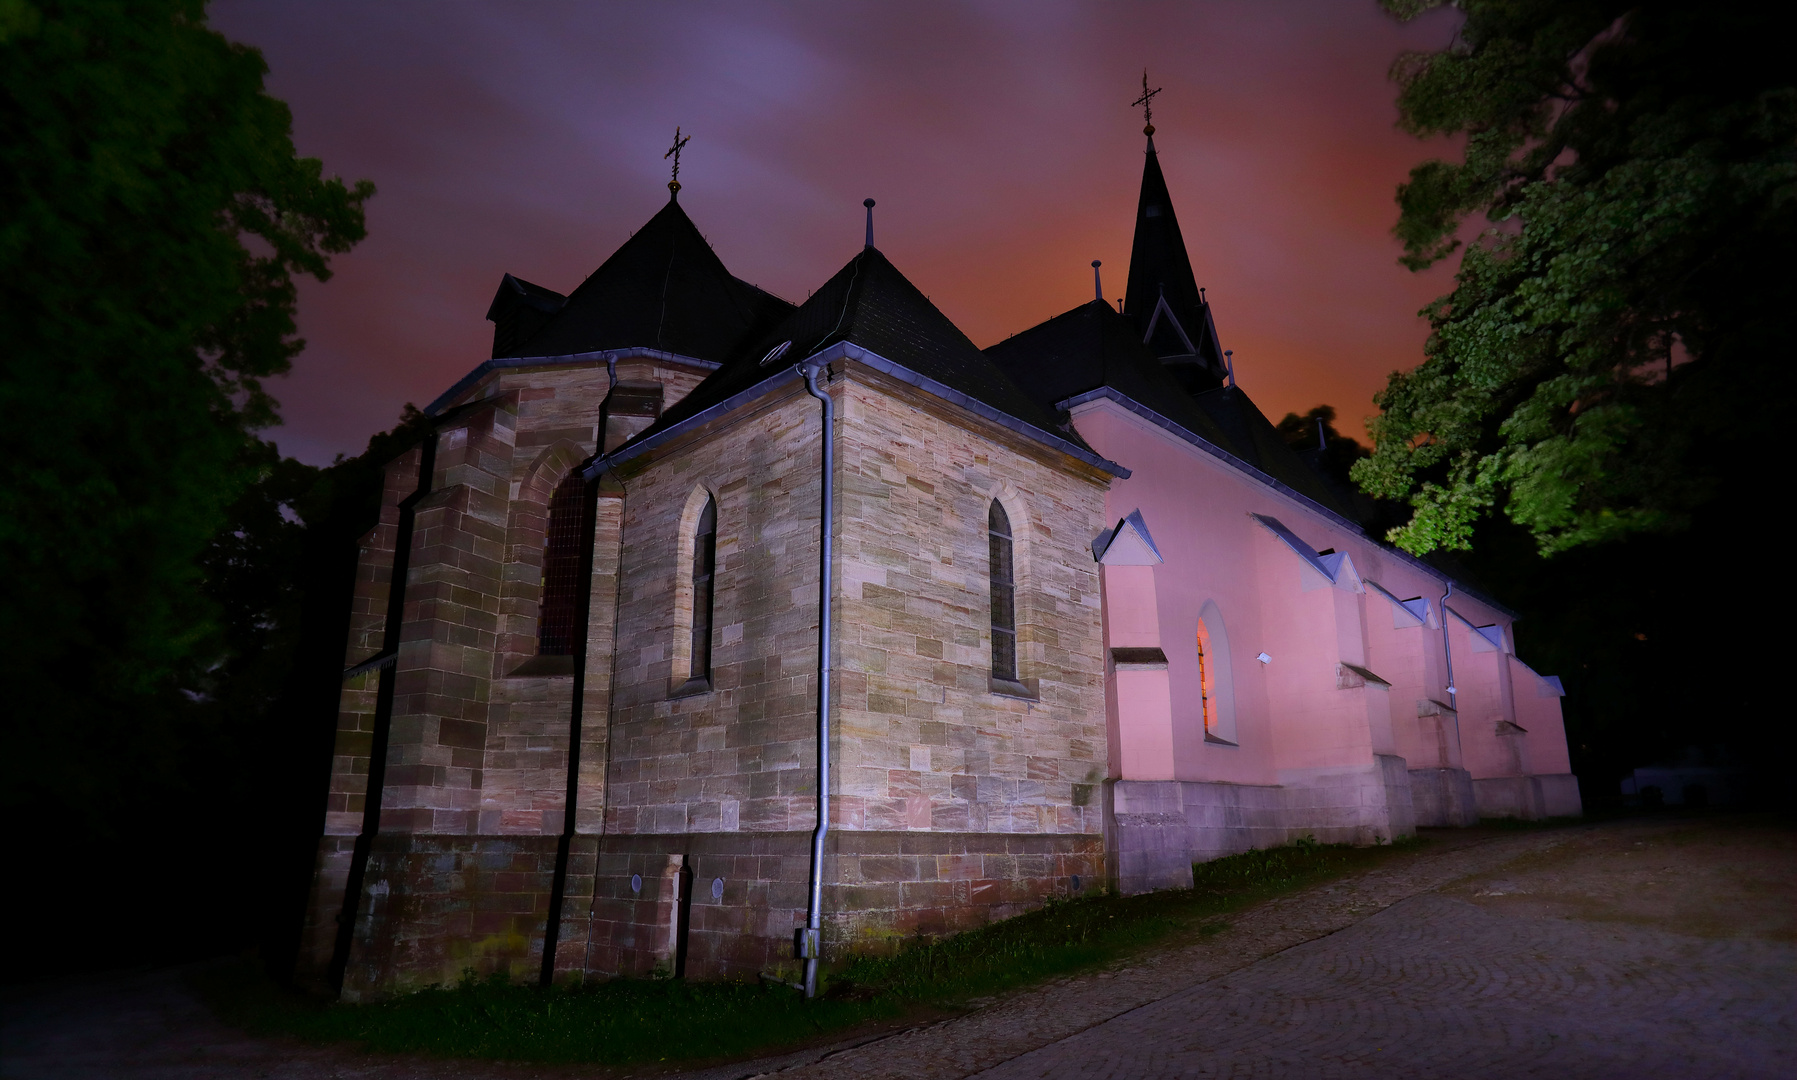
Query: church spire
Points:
[1163, 298]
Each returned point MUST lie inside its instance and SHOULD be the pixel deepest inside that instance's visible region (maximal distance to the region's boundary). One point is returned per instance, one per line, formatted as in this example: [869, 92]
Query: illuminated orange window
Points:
[1206, 686]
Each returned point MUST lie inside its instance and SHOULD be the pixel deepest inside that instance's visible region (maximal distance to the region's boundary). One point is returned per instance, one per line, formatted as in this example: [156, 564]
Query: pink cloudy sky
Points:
[997, 137]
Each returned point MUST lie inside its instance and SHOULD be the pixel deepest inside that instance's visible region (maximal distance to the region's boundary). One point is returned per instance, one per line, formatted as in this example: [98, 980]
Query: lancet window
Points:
[705, 548]
[1004, 594]
[561, 571]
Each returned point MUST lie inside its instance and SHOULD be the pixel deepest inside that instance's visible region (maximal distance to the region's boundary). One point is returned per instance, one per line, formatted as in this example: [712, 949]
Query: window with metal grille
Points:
[705, 547]
[1004, 595]
[561, 571]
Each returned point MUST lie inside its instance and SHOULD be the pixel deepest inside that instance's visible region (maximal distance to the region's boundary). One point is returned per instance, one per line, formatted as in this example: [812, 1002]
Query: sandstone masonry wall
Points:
[926, 740]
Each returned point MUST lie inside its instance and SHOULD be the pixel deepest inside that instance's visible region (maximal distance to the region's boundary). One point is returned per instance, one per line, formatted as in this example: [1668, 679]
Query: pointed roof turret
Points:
[871, 304]
[664, 289]
[1163, 298]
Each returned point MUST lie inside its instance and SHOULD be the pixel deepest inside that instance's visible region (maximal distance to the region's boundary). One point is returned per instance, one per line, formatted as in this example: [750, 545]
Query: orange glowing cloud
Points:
[997, 138]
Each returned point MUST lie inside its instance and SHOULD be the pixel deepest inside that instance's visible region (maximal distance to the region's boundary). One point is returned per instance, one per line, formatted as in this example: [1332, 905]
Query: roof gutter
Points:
[1179, 431]
[609, 356]
[844, 350]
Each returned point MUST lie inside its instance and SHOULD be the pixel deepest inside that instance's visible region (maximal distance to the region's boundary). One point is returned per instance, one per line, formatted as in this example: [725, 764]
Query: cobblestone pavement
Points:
[1660, 948]
[1541, 954]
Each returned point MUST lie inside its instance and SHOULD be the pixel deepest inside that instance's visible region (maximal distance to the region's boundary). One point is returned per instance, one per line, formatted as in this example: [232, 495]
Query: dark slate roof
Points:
[1159, 266]
[870, 304]
[519, 309]
[1093, 346]
[1254, 439]
[664, 289]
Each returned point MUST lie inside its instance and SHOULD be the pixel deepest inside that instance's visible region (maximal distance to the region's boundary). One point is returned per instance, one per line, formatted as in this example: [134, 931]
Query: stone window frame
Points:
[527, 525]
[682, 681]
[1023, 527]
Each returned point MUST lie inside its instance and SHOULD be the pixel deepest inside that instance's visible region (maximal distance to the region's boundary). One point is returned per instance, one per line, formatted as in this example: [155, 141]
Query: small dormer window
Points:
[1151, 210]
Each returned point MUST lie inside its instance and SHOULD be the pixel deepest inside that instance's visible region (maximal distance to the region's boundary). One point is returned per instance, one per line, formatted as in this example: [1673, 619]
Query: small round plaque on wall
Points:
[636, 883]
[1076, 883]
[717, 888]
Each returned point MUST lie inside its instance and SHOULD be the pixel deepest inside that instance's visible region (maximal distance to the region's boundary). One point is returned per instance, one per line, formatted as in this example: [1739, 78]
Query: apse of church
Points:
[1092, 621]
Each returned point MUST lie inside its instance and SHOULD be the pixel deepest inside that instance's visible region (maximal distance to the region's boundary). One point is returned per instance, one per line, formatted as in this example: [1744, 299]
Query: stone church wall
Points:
[928, 741]
[715, 779]
[346, 794]
[955, 804]
[477, 759]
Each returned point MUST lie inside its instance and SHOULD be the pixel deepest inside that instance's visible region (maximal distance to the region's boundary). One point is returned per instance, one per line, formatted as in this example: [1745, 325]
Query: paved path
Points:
[1438, 987]
[1639, 949]
[1657, 948]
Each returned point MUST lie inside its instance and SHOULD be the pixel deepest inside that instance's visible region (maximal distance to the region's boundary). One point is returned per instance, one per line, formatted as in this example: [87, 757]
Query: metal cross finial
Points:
[1146, 101]
[674, 152]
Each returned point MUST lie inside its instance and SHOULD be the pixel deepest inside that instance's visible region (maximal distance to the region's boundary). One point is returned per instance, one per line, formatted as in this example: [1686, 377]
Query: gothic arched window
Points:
[561, 571]
[1216, 679]
[1004, 595]
[705, 548]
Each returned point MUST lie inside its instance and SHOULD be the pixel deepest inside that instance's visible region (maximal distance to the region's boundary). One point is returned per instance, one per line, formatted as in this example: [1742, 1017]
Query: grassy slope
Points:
[628, 1021]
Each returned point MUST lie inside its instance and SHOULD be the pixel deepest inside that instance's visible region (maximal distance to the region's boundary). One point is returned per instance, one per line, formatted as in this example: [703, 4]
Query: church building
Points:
[1067, 612]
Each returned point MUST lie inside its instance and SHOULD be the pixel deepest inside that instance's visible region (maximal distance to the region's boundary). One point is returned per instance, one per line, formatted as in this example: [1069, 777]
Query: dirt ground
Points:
[1716, 877]
[1662, 945]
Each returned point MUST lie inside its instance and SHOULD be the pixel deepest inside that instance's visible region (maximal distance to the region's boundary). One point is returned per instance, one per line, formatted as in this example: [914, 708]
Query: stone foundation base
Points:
[748, 892]
[1156, 829]
[704, 905]
[1443, 797]
[324, 905]
[1529, 797]
[433, 907]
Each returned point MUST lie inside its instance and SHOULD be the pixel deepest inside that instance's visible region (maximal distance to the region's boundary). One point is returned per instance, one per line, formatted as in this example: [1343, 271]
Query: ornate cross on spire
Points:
[674, 152]
[1146, 101]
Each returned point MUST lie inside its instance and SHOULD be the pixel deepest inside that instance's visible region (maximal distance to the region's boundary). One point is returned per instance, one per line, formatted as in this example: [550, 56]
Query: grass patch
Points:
[632, 1021]
[624, 1021]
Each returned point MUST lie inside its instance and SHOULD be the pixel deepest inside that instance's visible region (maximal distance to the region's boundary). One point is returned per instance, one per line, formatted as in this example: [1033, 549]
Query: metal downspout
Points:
[1447, 652]
[558, 887]
[589, 527]
[811, 938]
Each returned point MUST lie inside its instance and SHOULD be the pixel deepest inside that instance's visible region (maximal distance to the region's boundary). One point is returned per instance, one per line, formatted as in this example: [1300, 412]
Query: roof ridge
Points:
[848, 295]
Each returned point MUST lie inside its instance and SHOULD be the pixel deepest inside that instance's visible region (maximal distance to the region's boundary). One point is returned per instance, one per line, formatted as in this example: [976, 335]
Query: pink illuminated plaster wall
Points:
[1353, 671]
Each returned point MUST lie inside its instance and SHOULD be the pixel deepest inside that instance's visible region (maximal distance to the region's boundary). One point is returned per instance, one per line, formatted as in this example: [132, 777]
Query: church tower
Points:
[1163, 299]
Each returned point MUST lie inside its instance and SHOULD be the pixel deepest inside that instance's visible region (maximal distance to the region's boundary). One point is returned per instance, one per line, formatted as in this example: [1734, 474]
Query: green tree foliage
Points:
[1616, 349]
[153, 217]
[155, 214]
